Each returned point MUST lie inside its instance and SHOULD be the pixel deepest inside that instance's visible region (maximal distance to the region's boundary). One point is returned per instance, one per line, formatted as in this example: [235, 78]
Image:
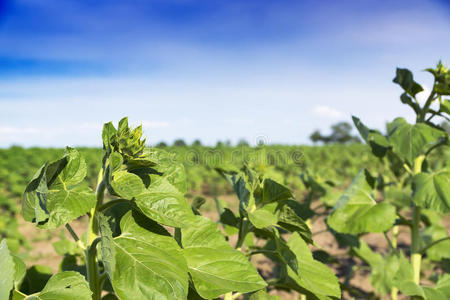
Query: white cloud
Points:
[155, 124]
[326, 111]
[7, 130]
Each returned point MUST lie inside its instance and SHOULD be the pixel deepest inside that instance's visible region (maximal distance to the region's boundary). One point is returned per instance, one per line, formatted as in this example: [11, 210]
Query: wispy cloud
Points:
[9, 131]
[155, 124]
[328, 112]
[212, 70]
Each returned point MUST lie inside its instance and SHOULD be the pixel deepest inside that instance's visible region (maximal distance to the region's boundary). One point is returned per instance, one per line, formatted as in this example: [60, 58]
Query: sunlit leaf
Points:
[358, 212]
[215, 267]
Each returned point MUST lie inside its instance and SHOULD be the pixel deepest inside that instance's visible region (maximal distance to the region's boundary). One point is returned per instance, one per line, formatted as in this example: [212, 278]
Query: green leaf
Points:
[403, 280]
[227, 217]
[264, 216]
[433, 233]
[443, 285]
[397, 196]
[263, 295]
[127, 185]
[405, 79]
[8, 270]
[20, 270]
[330, 197]
[445, 106]
[215, 267]
[54, 196]
[288, 219]
[197, 202]
[64, 247]
[144, 264]
[312, 275]
[108, 136]
[36, 278]
[364, 252]
[382, 274]
[65, 285]
[406, 99]
[410, 141]
[357, 211]
[377, 142]
[128, 142]
[442, 79]
[432, 190]
[164, 203]
[274, 192]
[170, 169]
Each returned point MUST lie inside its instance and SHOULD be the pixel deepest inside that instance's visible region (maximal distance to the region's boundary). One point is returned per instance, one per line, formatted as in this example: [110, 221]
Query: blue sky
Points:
[213, 70]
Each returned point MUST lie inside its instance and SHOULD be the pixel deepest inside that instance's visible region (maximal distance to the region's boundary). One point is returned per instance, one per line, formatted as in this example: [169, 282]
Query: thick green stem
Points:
[424, 110]
[416, 256]
[394, 236]
[394, 290]
[112, 203]
[92, 271]
[75, 237]
[91, 252]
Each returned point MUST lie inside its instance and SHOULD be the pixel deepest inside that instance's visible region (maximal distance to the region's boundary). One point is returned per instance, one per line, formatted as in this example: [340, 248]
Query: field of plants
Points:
[354, 221]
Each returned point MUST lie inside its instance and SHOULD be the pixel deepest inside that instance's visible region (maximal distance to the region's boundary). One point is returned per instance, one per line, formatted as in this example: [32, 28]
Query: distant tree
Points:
[219, 144]
[197, 143]
[316, 136]
[161, 145]
[340, 134]
[179, 143]
[242, 143]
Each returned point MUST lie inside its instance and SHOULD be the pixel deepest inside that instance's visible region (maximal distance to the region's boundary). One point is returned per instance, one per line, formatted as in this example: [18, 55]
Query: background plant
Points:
[416, 188]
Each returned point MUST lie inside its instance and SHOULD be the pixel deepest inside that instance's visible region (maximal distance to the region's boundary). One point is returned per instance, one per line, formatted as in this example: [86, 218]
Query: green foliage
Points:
[64, 285]
[266, 208]
[215, 267]
[146, 240]
[358, 212]
[54, 196]
[7, 266]
[341, 134]
[420, 185]
[432, 190]
[140, 258]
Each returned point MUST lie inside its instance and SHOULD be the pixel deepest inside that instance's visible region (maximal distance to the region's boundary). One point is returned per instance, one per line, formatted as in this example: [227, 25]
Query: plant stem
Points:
[92, 272]
[242, 233]
[111, 203]
[75, 237]
[424, 110]
[394, 290]
[423, 250]
[391, 245]
[91, 252]
[416, 256]
[394, 236]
